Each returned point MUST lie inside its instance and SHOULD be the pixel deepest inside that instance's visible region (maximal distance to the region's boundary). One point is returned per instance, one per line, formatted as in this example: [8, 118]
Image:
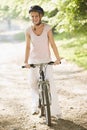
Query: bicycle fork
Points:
[43, 86]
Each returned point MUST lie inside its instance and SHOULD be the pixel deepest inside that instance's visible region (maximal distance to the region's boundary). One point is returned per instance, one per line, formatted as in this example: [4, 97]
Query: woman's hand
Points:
[26, 65]
[58, 61]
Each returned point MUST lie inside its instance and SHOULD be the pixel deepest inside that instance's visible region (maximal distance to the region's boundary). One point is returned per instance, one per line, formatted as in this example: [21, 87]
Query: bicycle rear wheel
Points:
[47, 106]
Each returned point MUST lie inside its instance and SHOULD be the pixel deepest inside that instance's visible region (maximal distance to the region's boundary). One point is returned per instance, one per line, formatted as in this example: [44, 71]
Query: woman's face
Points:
[35, 17]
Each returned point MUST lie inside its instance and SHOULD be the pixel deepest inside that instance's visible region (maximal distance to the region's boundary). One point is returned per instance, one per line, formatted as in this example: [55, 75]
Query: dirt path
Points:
[71, 82]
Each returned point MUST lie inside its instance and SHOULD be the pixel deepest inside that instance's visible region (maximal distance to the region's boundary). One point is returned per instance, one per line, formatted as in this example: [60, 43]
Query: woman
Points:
[39, 38]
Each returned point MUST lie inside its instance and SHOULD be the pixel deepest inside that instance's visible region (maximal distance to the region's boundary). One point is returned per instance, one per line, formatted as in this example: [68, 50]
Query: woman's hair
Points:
[36, 8]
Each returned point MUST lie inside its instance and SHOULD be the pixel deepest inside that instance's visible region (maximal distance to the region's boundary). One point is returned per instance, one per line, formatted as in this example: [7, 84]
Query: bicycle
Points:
[44, 91]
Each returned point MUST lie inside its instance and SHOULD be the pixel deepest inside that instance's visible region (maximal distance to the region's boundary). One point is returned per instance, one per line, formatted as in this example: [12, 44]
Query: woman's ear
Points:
[41, 15]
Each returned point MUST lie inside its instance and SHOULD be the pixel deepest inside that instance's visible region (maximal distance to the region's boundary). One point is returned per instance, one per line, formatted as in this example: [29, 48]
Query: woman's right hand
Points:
[26, 65]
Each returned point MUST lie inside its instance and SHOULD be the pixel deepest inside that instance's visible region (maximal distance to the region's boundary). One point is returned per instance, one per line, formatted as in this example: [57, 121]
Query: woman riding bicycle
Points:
[39, 38]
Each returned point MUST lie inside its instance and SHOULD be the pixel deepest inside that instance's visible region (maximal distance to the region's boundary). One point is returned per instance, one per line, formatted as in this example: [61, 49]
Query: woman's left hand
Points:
[58, 61]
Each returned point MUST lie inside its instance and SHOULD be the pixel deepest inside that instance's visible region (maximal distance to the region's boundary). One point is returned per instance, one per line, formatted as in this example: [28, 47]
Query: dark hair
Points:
[37, 9]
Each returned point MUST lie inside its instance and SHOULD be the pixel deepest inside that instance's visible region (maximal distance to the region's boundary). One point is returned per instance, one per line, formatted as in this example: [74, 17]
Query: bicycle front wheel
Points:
[47, 106]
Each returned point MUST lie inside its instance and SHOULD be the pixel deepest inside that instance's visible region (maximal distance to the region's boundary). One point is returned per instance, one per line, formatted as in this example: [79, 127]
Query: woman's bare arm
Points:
[54, 47]
[27, 50]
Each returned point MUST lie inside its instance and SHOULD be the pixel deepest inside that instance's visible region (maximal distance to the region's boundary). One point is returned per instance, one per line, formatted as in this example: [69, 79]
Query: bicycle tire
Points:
[42, 110]
[47, 106]
[41, 101]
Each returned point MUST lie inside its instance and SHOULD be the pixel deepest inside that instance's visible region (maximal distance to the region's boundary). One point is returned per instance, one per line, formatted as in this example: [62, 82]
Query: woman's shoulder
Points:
[28, 29]
[47, 26]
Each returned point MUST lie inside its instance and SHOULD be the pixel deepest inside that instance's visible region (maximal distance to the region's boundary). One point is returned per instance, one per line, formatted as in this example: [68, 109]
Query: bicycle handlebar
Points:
[34, 65]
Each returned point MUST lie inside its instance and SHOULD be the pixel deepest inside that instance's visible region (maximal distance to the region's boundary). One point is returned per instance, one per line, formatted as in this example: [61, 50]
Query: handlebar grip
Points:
[23, 66]
[51, 63]
[31, 65]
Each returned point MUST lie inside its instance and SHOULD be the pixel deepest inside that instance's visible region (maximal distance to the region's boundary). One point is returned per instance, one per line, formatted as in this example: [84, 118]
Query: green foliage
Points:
[70, 15]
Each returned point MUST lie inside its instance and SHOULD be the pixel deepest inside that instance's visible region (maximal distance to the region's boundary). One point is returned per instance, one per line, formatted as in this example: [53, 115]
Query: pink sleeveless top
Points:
[39, 47]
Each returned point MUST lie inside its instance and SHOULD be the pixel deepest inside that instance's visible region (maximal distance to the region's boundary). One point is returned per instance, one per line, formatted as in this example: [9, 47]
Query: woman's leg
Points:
[55, 109]
[33, 78]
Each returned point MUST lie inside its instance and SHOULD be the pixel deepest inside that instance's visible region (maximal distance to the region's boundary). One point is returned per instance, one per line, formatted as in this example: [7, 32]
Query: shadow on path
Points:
[62, 124]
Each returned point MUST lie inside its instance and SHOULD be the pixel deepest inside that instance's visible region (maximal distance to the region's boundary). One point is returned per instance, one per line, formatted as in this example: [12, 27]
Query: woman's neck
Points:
[37, 26]
[38, 23]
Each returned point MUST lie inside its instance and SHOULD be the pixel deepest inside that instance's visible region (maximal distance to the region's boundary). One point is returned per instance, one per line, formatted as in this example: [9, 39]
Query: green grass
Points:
[74, 47]
[19, 36]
